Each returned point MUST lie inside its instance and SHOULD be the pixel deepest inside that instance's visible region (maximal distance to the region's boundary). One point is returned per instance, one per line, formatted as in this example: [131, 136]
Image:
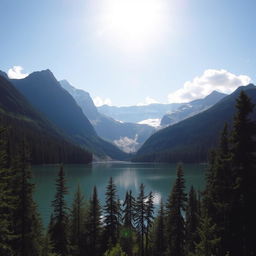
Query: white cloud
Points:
[98, 101]
[16, 73]
[127, 144]
[212, 79]
[155, 122]
[148, 101]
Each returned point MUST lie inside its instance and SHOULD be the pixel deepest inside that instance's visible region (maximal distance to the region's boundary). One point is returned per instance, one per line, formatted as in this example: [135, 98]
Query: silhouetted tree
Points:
[58, 229]
[175, 221]
[140, 218]
[111, 215]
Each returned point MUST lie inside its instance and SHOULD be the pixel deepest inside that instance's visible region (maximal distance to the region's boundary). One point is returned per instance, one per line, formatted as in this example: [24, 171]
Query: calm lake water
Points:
[158, 178]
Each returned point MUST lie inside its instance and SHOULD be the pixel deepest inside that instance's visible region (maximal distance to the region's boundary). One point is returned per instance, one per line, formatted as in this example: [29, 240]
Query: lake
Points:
[158, 178]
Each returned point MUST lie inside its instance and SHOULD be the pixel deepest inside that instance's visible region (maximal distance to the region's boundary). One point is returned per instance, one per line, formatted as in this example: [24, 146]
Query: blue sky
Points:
[201, 44]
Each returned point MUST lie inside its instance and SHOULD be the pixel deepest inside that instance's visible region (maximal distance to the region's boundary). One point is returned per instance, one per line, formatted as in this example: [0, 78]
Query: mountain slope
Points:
[137, 114]
[192, 108]
[45, 142]
[46, 95]
[128, 136]
[191, 139]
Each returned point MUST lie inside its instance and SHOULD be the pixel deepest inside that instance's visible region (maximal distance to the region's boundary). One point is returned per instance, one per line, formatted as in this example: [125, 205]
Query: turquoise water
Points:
[158, 178]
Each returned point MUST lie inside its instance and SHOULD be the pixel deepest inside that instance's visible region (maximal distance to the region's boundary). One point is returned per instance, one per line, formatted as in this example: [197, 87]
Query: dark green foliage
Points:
[93, 228]
[219, 190]
[159, 239]
[230, 191]
[149, 219]
[6, 200]
[58, 228]
[140, 218]
[111, 214]
[76, 223]
[209, 242]
[129, 204]
[175, 230]
[27, 235]
[46, 143]
[127, 231]
[115, 251]
[192, 221]
[244, 174]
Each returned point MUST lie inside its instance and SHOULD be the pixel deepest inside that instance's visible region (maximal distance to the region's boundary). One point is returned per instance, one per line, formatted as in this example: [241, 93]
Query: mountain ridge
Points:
[191, 139]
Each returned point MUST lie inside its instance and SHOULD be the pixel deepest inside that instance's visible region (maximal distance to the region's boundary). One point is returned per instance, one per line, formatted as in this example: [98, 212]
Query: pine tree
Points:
[27, 227]
[128, 212]
[244, 175]
[111, 214]
[219, 191]
[208, 241]
[192, 219]
[115, 251]
[149, 218]
[6, 200]
[58, 228]
[93, 226]
[159, 241]
[140, 218]
[76, 222]
[175, 221]
[127, 231]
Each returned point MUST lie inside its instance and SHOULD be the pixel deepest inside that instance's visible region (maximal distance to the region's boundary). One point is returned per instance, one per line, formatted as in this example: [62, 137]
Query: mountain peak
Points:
[3, 74]
[46, 73]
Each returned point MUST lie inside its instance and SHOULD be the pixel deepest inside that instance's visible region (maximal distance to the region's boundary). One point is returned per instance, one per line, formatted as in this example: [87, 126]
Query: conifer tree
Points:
[244, 175]
[149, 218]
[27, 227]
[93, 226]
[219, 190]
[115, 251]
[192, 219]
[58, 229]
[127, 231]
[175, 222]
[128, 212]
[76, 222]
[6, 202]
[140, 218]
[208, 241]
[111, 214]
[159, 242]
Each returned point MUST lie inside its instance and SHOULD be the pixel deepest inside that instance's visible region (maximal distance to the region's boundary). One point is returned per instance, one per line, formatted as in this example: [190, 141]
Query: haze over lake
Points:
[158, 178]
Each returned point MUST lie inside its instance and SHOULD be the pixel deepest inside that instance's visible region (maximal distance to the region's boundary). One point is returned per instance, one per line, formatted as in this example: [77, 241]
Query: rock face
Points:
[191, 139]
[127, 136]
[47, 96]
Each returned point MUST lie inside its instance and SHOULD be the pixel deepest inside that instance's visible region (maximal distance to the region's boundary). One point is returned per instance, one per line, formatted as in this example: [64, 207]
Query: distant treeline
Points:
[218, 221]
[44, 148]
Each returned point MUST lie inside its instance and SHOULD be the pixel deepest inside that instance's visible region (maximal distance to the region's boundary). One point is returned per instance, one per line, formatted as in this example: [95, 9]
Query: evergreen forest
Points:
[218, 221]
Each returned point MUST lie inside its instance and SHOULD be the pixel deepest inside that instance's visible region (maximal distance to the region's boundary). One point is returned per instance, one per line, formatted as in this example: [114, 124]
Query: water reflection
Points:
[157, 178]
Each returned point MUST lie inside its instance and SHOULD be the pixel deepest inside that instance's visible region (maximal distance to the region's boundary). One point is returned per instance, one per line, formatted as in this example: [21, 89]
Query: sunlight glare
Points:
[133, 23]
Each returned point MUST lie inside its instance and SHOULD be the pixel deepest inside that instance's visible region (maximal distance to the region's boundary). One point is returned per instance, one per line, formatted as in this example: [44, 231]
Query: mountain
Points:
[192, 108]
[47, 96]
[136, 114]
[128, 136]
[191, 139]
[46, 144]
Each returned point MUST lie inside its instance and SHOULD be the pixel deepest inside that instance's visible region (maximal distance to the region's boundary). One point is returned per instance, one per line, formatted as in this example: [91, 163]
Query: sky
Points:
[133, 52]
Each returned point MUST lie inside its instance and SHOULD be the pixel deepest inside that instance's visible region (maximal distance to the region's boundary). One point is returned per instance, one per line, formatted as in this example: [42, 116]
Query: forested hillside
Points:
[190, 140]
[217, 221]
[46, 143]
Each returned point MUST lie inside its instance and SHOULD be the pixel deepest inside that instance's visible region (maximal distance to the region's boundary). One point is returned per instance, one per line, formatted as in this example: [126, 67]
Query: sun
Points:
[133, 23]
